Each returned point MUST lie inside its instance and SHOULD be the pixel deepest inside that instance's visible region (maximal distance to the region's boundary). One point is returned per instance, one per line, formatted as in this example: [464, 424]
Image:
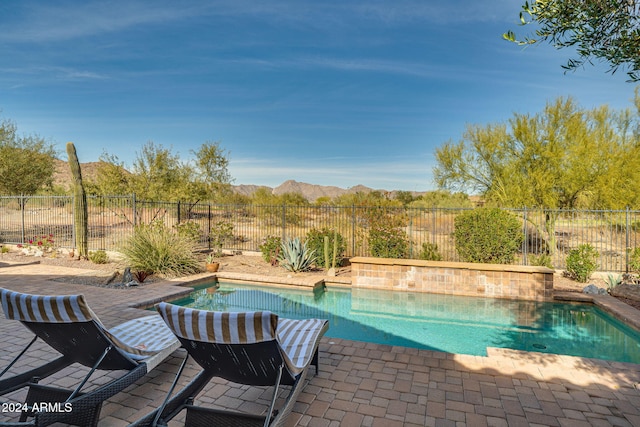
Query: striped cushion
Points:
[139, 338]
[219, 327]
[143, 337]
[45, 308]
[298, 339]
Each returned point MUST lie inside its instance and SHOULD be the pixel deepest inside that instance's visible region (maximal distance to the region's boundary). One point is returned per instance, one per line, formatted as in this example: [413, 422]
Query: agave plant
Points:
[295, 256]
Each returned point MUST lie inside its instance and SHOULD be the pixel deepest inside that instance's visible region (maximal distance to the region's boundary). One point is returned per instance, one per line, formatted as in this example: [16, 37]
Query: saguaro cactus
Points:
[80, 213]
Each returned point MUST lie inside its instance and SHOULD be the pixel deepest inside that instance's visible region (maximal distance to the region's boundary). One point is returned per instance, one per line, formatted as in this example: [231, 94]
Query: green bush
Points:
[189, 229]
[582, 262]
[98, 257]
[388, 243]
[541, 260]
[634, 260]
[429, 252]
[387, 238]
[221, 234]
[270, 249]
[315, 241]
[488, 235]
[157, 249]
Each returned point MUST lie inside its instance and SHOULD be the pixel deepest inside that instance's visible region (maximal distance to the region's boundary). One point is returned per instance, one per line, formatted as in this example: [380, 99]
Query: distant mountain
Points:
[311, 192]
[62, 176]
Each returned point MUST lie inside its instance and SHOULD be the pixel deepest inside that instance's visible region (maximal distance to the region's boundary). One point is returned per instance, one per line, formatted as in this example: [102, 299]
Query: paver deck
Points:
[361, 384]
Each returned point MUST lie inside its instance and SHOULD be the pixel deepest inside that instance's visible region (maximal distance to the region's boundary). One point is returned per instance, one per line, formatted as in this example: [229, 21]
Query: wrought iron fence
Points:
[112, 220]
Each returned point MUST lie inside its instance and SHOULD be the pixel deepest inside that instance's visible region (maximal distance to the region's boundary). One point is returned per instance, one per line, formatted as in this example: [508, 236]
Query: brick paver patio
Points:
[362, 384]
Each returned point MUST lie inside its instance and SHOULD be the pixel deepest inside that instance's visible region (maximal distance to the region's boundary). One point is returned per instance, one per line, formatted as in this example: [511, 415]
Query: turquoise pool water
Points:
[454, 324]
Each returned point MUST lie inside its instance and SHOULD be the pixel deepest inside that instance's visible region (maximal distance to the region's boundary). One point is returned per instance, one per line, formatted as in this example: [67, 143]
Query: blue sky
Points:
[325, 92]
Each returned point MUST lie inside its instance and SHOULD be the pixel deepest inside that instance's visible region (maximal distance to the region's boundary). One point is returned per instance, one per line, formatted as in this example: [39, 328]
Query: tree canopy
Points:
[159, 174]
[26, 163]
[605, 30]
[561, 158]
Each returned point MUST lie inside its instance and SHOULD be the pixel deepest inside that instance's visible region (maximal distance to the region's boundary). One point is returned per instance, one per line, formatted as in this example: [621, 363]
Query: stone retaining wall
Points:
[454, 278]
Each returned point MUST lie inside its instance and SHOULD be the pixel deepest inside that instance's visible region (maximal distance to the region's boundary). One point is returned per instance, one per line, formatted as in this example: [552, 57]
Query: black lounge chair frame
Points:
[86, 343]
[253, 364]
[95, 351]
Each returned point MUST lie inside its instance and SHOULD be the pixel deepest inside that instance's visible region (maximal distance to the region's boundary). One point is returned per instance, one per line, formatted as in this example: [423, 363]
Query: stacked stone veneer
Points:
[453, 278]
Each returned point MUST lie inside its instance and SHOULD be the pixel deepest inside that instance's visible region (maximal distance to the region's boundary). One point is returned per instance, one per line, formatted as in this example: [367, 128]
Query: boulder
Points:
[594, 290]
[626, 290]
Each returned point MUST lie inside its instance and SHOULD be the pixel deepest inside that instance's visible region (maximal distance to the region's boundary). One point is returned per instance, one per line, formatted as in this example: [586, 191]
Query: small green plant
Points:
[541, 260]
[328, 244]
[221, 233]
[4, 249]
[488, 235]
[98, 257]
[429, 252]
[612, 281]
[156, 248]
[634, 260]
[270, 249]
[387, 238]
[189, 229]
[296, 256]
[582, 262]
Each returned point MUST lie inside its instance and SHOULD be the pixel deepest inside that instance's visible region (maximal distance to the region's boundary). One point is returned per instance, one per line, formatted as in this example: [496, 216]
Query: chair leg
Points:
[316, 361]
[273, 399]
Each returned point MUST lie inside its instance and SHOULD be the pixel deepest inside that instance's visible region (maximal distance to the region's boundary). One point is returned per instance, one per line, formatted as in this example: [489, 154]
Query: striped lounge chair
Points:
[68, 325]
[251, 348]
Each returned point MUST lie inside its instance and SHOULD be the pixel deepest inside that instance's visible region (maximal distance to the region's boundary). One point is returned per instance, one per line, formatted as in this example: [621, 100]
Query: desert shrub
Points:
[4, 249]
[388, 242]
[98, 257]
[315, 241]
[429, 252]
[295, 256]
[270, 249]
[189, 229]
[541, 260]
[582, 262]
[634, 260]
[158, 249]
[387, 238]
[221, 233]
[488, 235]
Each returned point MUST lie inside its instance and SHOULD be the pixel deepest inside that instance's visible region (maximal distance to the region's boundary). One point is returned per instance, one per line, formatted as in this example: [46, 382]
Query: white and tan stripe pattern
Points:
[139, 338]
[142, 337]
[45, 308]
[219, 327]
[299, 340]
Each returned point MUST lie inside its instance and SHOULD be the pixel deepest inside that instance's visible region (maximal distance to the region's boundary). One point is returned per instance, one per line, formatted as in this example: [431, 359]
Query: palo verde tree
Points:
[211, 169]
[159, 174]
[605, 30]
[562, 158]
[26, 163]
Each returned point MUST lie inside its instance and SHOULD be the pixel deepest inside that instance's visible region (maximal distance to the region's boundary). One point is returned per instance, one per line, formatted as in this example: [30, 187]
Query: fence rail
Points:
[112, 219]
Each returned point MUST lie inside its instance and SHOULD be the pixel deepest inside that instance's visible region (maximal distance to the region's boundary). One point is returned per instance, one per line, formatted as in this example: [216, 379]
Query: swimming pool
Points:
[454, 324]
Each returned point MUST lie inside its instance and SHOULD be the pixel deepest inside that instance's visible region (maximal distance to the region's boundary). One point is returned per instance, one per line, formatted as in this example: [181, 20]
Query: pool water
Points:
[454, 324]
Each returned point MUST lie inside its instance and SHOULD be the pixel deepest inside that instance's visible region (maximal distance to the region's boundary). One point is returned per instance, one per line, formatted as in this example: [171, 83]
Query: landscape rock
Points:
[594, 290]
[626, 290]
